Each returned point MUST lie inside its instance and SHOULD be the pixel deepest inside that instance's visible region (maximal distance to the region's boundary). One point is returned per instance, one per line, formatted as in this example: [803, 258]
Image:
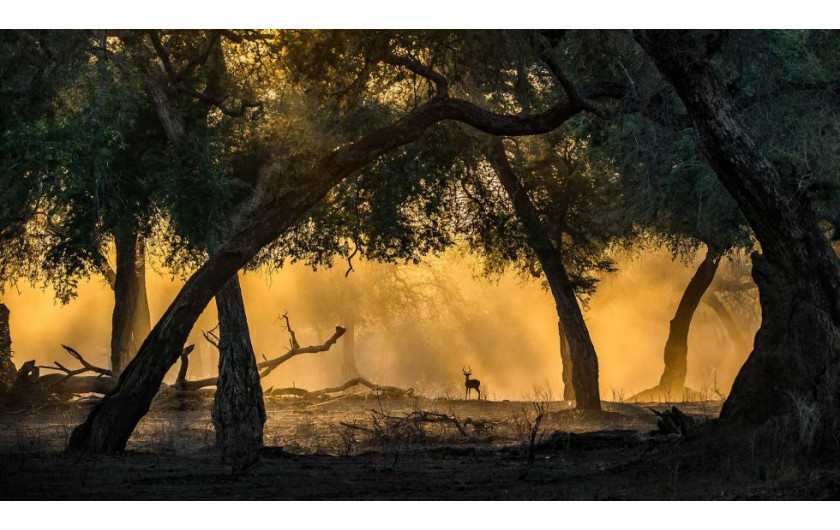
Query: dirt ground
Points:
[334, 450]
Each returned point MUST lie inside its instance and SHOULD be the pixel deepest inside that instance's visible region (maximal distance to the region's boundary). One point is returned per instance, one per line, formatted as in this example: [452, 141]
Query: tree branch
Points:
[86, 367]
[211, 337]
[416, 67]
[269, 365]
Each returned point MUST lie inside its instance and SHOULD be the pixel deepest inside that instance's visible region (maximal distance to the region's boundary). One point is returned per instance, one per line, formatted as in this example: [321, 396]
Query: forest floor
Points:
[361, 447]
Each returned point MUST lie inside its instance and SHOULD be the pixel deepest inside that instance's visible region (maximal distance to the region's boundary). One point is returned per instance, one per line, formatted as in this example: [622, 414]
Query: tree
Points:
[550, 253]
[79, 179]
[287, 185]
[670, 194]
[797, 272]
[672, 381]
[203, 148]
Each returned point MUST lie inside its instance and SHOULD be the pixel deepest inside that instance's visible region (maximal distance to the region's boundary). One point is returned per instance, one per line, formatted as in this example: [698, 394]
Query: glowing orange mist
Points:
[505, 330]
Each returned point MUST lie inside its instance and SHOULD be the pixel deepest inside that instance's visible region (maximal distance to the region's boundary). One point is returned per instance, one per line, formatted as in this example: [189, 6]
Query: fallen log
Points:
[26, 379]
[31, 385]
[70, 384]
[63, 385]
[390, 391]
[674, 421]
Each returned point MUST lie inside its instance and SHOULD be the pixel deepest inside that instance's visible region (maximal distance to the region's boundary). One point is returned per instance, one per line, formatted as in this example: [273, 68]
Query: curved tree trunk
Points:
[111, 421]
[130, 321]
[584, 361]
[7, 367]
[566, 359]
[796, 353]
[676, 347]
[737, 337]
[238, 409]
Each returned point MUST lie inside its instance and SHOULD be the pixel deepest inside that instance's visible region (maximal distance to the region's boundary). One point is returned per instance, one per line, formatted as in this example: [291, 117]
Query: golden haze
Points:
[505, 330]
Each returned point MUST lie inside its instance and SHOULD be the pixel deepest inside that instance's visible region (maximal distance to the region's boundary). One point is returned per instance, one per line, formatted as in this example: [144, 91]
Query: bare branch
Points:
[78, 356]
[211, 336]
[350, 260]
[267, 366]
[181, 382]
[270, 365]
[68, 373]
[293, 340]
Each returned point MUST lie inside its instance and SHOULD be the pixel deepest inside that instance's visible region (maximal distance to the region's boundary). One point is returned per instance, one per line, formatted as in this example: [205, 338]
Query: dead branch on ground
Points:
[49, 383]
[674, 421]
[266, 367]
[390, 391]
[412, 428]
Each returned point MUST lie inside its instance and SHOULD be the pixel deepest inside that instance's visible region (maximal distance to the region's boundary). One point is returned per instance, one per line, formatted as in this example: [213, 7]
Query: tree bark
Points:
[142, 322]
[130, 321]
[238, 409]
[732, 328]
[676, 347]
[797, 348]
[7, 367]
[275, 206]
[566, 359]
[581, 350]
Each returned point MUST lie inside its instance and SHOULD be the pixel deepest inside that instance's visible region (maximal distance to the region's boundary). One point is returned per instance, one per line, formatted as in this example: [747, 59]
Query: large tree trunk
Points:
[238, 411]
[130, 322]
[797, 348]
[7, 367]
[566, 360]
[672, 381]
[581, 350]
[111, 422]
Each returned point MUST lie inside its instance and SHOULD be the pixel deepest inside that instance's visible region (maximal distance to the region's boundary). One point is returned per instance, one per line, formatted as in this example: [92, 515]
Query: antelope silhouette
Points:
[471, 384]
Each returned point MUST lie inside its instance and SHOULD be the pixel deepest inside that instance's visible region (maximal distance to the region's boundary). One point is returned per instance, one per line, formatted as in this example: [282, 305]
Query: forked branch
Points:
[269, 365]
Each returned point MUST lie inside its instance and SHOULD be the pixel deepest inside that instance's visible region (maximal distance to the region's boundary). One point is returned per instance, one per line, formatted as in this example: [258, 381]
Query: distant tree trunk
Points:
[383, 351]
[348, 349]
[238, 411]
[130, 322]
[676, 347]
[566, 359]
[7, 367]
[581, 350]
[797, 347]
[732, 328]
